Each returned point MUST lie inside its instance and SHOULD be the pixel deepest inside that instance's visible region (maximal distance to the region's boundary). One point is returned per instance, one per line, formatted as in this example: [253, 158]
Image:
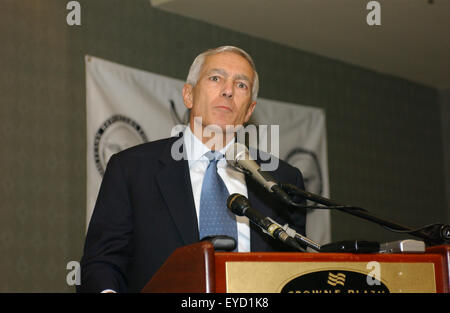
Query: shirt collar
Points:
[195, 149]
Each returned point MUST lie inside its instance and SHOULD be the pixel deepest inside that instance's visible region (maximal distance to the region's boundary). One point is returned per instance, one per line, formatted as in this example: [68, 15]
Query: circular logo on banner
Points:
[309, 163]
[117, 133]
[334, 282]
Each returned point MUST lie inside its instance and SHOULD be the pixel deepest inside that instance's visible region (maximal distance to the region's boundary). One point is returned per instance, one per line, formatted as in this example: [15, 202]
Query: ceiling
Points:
[412, 42]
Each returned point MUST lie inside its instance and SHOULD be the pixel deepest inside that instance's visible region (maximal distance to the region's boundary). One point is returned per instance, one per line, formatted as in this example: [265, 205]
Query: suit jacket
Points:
[145, 210]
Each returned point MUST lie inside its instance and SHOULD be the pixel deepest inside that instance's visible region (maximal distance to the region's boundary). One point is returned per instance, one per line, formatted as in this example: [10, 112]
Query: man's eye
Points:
[242, 85]
[214, 78]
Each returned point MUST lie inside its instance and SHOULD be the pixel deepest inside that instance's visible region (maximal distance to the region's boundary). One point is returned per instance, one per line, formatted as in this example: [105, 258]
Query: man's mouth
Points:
[224, 107]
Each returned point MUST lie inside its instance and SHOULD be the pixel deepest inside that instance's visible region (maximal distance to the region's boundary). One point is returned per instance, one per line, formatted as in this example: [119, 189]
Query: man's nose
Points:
[228, 90]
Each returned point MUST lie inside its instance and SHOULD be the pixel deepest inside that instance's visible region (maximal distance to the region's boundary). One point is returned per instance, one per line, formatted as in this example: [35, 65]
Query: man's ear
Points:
[188, 95]
[250, 110]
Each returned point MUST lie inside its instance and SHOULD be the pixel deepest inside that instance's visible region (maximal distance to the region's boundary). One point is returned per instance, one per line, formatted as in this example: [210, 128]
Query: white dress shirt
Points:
[233, 179]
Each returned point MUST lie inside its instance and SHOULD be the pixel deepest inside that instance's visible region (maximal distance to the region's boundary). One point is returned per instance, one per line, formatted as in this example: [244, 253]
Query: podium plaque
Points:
[330, 277]
[332, 272]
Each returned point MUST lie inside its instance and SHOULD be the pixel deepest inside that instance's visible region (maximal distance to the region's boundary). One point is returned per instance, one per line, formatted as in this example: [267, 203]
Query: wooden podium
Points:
[198, 268]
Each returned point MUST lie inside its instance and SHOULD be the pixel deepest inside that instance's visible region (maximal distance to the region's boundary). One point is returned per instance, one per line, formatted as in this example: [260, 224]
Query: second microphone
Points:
[239, 205]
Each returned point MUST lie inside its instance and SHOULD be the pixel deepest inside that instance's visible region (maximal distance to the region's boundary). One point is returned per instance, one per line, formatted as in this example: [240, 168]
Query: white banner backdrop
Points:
[127, 106]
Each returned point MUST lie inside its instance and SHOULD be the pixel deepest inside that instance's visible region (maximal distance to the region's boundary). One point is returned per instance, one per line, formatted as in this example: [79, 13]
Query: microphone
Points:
[238, 156]
[221, 242]
[239, 205]
[292, 233]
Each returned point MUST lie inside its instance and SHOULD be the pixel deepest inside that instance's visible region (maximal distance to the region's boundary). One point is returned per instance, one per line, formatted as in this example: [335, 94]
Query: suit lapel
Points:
[176, 189]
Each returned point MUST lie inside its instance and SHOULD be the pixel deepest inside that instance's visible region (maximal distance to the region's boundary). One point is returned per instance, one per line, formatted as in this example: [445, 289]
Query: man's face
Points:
[222, 95]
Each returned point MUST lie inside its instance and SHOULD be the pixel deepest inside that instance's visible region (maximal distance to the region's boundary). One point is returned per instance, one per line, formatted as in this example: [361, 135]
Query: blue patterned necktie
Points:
[215, 218]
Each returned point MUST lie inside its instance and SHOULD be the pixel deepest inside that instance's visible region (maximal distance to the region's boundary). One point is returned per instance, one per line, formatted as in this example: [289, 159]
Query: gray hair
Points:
[194, 71]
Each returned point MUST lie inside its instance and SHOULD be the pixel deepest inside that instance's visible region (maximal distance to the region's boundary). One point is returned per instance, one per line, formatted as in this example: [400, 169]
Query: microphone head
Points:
[235, 153]
[238, 204]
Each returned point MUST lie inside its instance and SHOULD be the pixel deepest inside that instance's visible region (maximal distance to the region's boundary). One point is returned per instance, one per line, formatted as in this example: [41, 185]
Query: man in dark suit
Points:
[149, 201]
